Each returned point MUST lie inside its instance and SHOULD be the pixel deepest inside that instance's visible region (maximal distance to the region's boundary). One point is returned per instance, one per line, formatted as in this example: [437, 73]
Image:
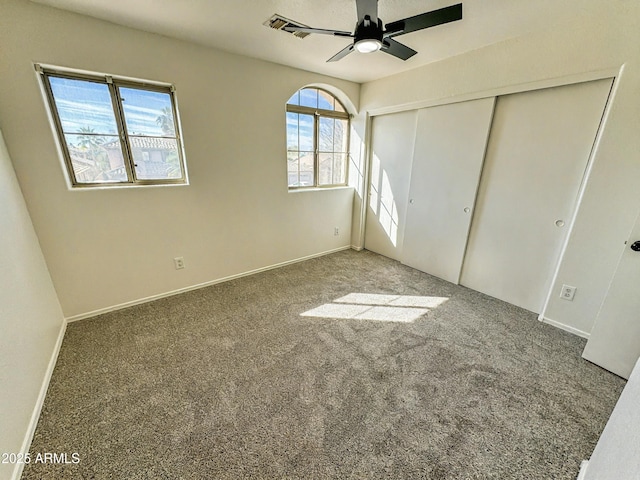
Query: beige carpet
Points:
[345, 366]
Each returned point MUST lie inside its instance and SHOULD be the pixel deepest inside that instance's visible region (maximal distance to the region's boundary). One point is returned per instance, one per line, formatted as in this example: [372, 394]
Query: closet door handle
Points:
[635, 246]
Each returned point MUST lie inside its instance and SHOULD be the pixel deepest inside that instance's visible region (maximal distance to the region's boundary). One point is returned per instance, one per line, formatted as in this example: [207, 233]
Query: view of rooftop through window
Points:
[91, 113]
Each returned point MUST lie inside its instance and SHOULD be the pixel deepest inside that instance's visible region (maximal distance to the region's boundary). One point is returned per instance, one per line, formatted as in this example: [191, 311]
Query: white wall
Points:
[112, 246]
[616, 454]
[357, 173]
[599, 40]
[31, 321]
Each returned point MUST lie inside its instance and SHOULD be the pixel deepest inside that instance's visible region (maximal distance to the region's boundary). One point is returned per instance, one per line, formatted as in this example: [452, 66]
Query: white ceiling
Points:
[237, 26]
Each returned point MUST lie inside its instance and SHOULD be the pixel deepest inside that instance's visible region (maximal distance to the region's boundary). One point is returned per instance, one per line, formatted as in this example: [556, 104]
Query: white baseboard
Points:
[564, 327]
[35, 415]
[583, 470]
[151, 298]
[357, 249]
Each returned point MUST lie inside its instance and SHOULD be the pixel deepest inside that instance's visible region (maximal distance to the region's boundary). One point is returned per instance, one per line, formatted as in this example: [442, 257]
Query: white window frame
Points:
[112, 82]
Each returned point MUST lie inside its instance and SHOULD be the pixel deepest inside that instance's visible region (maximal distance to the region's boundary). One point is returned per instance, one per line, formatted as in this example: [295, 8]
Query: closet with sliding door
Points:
[482, 192]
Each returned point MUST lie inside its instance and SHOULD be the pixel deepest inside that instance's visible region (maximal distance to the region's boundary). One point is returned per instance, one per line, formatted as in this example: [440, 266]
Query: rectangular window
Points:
[115, 131]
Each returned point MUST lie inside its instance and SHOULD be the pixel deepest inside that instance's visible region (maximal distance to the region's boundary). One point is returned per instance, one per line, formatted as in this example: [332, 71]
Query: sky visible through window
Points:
[89, 116]
[83, 105]
[313, 98]
[316, 139]
[299, 132]
[86, 105]
[142, 109]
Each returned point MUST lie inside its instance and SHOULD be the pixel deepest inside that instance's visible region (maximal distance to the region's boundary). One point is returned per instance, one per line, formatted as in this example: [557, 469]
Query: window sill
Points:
[90, 188]
[319, 189]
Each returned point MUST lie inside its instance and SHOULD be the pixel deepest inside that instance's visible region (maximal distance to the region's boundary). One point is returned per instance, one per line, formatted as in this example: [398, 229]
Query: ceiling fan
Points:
[370, 35]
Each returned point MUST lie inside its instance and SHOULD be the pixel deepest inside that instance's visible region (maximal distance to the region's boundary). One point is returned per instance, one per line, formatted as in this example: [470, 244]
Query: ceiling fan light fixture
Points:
[368, 45]
[371, 35]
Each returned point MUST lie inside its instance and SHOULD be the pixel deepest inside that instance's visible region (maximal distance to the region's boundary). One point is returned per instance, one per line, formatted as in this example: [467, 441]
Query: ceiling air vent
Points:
[278, 22]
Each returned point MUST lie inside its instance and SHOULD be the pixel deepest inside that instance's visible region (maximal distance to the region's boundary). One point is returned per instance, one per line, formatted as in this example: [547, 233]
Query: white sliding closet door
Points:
[392, 138]
[447, 161]
[538, 150]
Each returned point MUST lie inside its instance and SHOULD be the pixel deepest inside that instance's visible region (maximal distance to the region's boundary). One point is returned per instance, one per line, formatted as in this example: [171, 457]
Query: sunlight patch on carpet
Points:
[378, 307]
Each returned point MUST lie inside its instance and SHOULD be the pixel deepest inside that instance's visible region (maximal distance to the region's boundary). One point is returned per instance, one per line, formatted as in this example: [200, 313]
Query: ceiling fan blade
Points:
[397, 49]
[342, 53]
[424, 20]
[322, 31]
[367, 7]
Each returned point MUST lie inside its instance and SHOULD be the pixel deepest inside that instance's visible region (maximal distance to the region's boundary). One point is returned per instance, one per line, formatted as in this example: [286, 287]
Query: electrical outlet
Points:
[336, 231]
[179, 262]
[568, 292]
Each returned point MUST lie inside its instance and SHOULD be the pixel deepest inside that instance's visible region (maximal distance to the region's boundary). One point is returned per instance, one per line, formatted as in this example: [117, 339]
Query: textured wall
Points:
[112, 246]
[616, 454]
[30, 315]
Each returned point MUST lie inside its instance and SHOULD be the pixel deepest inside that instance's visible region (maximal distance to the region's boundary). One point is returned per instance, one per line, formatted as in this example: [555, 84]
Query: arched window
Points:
[317, 139]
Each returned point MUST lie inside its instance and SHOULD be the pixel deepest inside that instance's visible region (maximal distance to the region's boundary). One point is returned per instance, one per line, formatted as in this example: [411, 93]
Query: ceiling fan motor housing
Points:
[368, 30]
